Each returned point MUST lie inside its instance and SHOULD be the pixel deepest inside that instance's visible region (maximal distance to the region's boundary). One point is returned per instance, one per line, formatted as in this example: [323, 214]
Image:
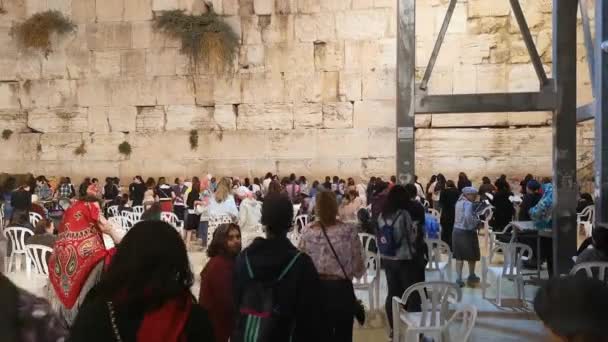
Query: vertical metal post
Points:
[601, 112]
[564, 135]
[406, 68]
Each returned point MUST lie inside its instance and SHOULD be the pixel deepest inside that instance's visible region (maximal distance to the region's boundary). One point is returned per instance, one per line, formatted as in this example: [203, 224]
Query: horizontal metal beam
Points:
[585, 112]
[545, 100]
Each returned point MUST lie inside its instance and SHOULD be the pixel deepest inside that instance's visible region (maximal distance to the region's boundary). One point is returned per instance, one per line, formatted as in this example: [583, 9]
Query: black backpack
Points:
[259, 315]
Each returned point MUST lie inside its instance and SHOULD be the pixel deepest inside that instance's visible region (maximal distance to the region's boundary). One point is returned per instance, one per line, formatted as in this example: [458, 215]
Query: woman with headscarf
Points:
[465, 244]
[79, 256]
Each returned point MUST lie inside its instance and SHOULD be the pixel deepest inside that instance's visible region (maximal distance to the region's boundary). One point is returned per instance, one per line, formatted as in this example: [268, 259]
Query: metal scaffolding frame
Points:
[557, 95]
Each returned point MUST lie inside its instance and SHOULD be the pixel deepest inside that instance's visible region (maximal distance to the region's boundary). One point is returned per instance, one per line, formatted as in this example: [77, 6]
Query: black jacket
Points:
[528, 202]
[93, 322]
[136, 191]
[298, 293]
[448, 200]
[416, 211]
[503, 214]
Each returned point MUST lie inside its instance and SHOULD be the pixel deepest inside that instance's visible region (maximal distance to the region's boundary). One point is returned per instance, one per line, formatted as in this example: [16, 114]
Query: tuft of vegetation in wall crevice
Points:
[125, 148]
[193, 139]
[6, 134]
[36, 32]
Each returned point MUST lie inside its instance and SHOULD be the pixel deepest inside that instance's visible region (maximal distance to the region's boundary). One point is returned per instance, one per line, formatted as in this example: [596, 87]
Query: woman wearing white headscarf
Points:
[250, 215]
[465, 244]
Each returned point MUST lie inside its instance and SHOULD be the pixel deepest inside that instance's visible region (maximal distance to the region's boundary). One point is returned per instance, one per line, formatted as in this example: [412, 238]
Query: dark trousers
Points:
[337, 310]
[401, 274]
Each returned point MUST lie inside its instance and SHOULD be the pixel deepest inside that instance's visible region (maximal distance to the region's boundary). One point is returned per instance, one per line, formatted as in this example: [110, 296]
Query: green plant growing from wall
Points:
[39, 147]
[6, 134]
[81, 150]
[193, 139]
[204, 37]
[35, 32]
[125, 148]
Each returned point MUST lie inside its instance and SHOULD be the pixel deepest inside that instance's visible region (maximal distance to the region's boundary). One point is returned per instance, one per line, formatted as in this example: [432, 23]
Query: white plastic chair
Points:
[214, 222]
[301, 221]
[586, 218]
[35, 218]
[129, 218]
[138, 209]
[17, 236]
[439, 251]
[120, 222]
[460, 326]
[495, 245]
[172, 219]
[436, 214]
[37, 255]
[595, 270]
[487, 213]
[113, 210]
[514, 254]
[436, 297]
[296, 208]
[370, 280]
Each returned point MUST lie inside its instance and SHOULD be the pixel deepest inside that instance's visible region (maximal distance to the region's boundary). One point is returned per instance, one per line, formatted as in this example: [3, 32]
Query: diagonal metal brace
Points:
[525, 32]
[444, 28]
[584, 6]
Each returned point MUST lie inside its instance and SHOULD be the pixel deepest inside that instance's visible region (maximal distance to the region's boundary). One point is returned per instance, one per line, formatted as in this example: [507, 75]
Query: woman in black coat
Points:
[504, 210]
[448, 200]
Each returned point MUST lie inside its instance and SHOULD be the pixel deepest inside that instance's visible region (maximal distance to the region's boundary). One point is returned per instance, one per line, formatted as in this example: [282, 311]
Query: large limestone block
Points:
[133, 63]
[174, 90]
[150, 119]
[484, 8]
[83, 11]
[492, 78]
[309, 6]
[330, 87]
[303, 87]
[458, 23]
[161, 62]
[283, 57]
[375, 114]
[530, 119]
[78, 63]
[9, 95]
[229, 167]
[54, 66]
[29, 66]
[58, 120]
[98, 120]
[228, 90]
[15, 120]
[350, 86]
[338, 143]
[349, 25]
[110, 35]
[338, 115]
[379, 85]
[165, 5]
[138, 10]
[329, 56]
[377, 167]
[471, 120]
[122, 119]
[252, 58]
[103, 146]
[292, 144]
[164, 147]
[303, 166]
[230, 7]
[263, 7]
[134, 92]
[265, 116]
[204, 91]
[14, 10]
[308, 115]
[236, 144]
[519, 52]
[20, 147]
[224, 117]
[59, 146]
[189, 117]
[382, 142]
[106, 64]
[522, 78]
[263, 88]
[315, 27]
[370, 55]
[476, 49]
[35, 6]
[465, 79]
[441, 82]
[277, 28]
[110, 10]
[344, 166]
[252, 34]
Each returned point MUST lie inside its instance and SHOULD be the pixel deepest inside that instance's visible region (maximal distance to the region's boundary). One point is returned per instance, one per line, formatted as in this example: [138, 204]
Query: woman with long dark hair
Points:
[145, 294]
[504, 210]
[463, 181]
[439, 187]
[430, 186]
[448, 200]
[216, 294]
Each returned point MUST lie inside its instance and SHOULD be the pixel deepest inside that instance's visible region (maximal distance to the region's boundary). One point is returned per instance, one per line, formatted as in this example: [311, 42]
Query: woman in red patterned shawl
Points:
[79, 255]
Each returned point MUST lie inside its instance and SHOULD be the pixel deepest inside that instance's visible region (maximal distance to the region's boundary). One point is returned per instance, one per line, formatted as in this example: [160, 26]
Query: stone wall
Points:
[312, 91]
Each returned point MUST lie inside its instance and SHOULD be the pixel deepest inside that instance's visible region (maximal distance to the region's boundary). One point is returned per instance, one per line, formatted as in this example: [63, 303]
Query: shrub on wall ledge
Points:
[193, 139]
[204, 37]
[81, 150]
[125, 148]
[36, 31]
[6, 134]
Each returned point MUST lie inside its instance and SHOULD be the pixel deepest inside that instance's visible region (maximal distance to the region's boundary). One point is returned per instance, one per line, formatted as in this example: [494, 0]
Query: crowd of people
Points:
[254, 287]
